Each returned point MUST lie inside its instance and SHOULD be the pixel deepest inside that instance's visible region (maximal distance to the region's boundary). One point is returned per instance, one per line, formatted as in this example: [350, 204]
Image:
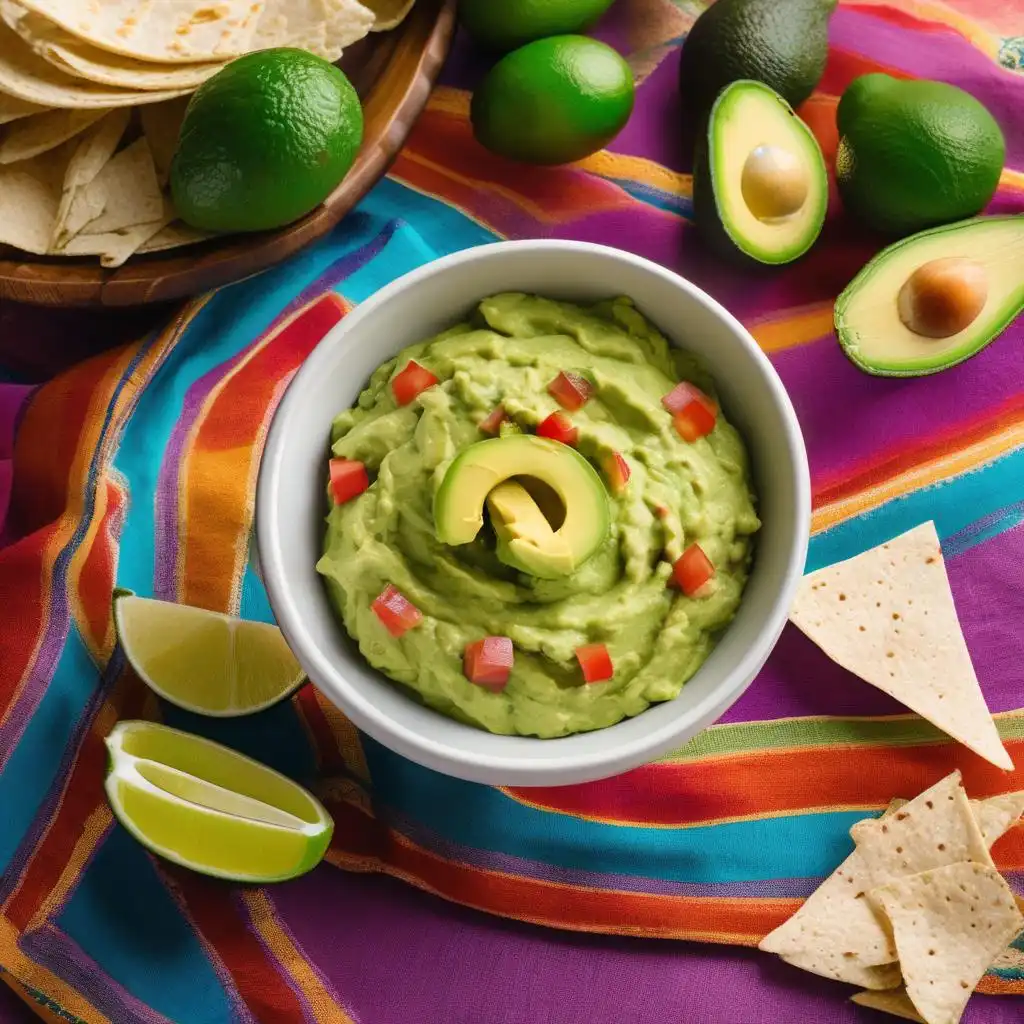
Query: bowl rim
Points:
[484, 767]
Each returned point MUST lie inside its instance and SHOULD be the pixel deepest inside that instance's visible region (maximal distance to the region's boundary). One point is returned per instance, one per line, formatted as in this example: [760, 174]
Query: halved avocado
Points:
[527, 540]
[760, 184]
[935, 299]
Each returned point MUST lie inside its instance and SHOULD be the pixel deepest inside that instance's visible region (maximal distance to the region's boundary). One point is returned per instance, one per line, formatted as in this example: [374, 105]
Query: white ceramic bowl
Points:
[291, 507]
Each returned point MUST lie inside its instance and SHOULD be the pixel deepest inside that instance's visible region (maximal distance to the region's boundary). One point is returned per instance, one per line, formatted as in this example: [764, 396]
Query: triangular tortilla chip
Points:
[887, 615]
[40, 133]
[949, 925]
[997, 815]
[29, 198]
[896, 1002]
[837, 932]
[126, 190]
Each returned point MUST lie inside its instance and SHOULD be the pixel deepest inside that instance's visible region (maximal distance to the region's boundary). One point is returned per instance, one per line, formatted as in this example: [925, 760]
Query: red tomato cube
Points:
[692, 570]
[413, 380]
[488, 662]
[596, 662]
[558, 427]
[348, 479]
[396, 611]
[616, 471]
[693, 413]
[491, 424]
[570, 390]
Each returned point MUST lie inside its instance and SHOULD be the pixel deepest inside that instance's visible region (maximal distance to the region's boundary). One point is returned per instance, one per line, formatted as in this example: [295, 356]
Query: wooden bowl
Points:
[393, 72]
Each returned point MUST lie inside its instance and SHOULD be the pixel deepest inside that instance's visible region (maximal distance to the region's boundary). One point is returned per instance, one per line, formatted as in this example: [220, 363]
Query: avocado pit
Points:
[774, 183]
[943, 296]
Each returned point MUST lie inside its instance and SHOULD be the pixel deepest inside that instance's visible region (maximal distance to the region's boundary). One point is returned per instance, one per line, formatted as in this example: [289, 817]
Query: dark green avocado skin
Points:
[783, 43]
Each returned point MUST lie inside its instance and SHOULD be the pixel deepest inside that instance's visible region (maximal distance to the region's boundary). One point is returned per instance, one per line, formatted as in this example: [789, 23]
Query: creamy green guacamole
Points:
[679, 493]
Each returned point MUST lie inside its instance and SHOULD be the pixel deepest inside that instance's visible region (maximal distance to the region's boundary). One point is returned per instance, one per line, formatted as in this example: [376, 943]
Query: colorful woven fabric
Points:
[137, 468]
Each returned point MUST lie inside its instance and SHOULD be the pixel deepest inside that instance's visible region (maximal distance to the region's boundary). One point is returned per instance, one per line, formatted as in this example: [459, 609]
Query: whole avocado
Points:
[914, 154]
[783, 43]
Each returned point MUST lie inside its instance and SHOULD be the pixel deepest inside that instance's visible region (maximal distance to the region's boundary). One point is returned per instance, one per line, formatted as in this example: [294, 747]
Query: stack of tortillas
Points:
[917, 913]
[92, 94]
[888, 616]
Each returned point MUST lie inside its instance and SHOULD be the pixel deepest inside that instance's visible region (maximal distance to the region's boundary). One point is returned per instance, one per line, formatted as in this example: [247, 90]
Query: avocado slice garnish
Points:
[502, 473]
[760, 184]
[935, 299]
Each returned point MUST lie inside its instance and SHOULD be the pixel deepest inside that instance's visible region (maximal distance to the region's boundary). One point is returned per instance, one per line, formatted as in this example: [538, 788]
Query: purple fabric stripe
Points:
[800, 679]
[65, 958]
[343, 268]
[943, 53]
[896, 412]
[490, 860]
[422, 960]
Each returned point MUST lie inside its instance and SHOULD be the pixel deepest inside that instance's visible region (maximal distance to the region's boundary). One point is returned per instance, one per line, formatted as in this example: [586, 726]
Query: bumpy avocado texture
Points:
[968, 276]
[783, 43]
[760, 185]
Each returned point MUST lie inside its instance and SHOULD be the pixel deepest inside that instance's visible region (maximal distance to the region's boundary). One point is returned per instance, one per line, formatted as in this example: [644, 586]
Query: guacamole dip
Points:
[523, 533]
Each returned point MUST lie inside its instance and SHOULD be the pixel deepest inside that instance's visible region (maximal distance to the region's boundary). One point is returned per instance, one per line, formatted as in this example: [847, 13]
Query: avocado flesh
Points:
[479, 474]
[867, 318]
[748, 115]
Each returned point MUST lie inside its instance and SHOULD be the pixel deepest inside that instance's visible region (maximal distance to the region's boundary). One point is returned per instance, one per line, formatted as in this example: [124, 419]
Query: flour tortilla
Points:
[324, 27]
[838, 932]
[949, 925]
[40, 133]
[888, 616]
[29, 196]
[172, 31]
[74, 57]
[389, 13]
[26, 76]
[896, 1002]
[12, 109]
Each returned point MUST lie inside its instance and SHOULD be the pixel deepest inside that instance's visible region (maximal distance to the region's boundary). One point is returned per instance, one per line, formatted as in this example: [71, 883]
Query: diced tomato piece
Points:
[692, 570]
[413, 380]
[396, 611]
[348, 479]
[570, 390]
[558, 427]
[616, 470]
[488, 662]
[596, 662]
[693, 412]
[492, 423]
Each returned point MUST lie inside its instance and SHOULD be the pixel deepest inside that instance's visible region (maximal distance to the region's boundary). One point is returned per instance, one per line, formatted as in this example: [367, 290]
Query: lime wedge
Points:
[204, 661]
[211, 809]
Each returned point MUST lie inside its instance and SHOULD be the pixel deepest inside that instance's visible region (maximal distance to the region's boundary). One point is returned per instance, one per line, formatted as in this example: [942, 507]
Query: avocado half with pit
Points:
[547, 504]
[760, 186]
[935, 299]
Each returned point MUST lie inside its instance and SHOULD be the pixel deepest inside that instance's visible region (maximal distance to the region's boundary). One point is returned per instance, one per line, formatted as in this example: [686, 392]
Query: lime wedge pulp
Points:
[205, 661]
[211, 809]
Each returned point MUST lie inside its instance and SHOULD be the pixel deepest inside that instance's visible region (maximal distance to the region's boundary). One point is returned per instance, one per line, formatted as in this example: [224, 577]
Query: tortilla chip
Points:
[11, 108]
[949, 925]
[997, 815]
[26, 76]
[29, 197]
[837, 932]
[324, 27]
[174, 235]
[172, 31]
[40, 133]
[127, 190]
[114, 247]
[887, 615]
[896, 1002]
[161, 124]
[389, 13]
[878, 978]
[75, 57]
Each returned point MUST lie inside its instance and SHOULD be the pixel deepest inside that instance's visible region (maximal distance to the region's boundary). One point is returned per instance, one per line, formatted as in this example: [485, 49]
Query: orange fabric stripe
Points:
[798, 327]
[773, 782]
[218, 476]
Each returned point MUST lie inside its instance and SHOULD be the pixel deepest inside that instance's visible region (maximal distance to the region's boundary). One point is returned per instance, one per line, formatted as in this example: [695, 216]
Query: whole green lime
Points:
[505, 24]
[265, 141]
[553, 101]
[913, 154]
